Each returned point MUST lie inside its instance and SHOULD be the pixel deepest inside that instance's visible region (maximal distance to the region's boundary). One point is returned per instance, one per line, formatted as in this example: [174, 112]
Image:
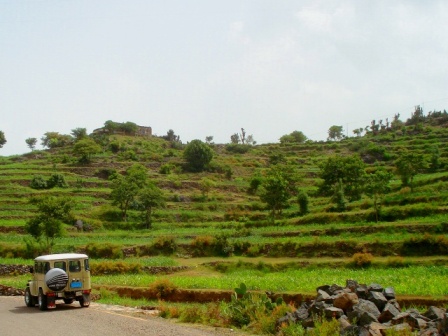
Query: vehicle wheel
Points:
[68, 301]
[29, 299]
[42, 300]
[84, 303]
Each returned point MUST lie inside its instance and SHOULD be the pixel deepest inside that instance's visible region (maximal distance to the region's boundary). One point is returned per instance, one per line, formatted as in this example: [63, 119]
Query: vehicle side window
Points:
[74, 266]
[37, 267]
[60, 264]
[86, 265]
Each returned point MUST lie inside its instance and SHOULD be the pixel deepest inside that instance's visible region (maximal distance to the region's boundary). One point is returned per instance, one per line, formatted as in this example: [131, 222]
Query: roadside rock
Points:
[367, 310]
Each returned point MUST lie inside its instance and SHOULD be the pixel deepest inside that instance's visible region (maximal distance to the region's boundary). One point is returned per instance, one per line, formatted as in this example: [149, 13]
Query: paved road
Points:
[16, 319]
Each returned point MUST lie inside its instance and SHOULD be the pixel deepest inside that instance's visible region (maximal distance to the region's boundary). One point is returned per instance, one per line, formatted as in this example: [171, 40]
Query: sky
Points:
[209, 68]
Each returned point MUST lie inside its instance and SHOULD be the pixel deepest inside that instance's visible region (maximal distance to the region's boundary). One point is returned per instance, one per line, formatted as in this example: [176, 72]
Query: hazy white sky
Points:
[208, 68]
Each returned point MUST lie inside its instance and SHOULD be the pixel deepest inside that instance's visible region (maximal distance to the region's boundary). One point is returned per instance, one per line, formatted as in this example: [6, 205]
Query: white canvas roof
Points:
[61, 256]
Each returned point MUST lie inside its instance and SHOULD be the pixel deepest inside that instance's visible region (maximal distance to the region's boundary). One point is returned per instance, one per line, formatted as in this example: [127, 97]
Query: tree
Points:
[54, 139]
[376, 186]
[235, 138]
[31, 142]
[198, 155]
[111, 126]
[335, 133]
[172, 137]
[126, 187]
[52, 212]
[149, 198]
[79, 133]
[2, 139]
[408, 165]
[303, 200]
[347, 170]
[276, 191]
[294, 137]
[358, 131]
[85, 148]
[209, 140]
[129, 128]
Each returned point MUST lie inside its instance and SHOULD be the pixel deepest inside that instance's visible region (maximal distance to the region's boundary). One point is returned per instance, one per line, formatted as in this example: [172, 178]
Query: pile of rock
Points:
[14, 269]
[367, 310]
[10, 291]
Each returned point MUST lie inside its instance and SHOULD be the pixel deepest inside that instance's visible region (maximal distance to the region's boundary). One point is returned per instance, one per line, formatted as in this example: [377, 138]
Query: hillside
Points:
[412, 222]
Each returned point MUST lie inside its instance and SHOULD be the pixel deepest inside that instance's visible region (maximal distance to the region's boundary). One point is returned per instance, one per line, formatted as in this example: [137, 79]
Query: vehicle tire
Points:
[29, 299]
[42, 300]
[68, 301]
[84, 303]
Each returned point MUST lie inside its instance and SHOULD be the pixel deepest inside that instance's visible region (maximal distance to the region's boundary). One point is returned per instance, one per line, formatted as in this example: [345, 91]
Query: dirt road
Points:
[16, 319]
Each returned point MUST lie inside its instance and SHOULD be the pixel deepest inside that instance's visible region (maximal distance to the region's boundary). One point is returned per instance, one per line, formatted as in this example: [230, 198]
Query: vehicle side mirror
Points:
[31, 269]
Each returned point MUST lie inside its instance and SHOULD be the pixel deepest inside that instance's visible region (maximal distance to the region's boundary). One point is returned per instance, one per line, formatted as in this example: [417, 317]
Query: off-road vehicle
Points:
[63, 276]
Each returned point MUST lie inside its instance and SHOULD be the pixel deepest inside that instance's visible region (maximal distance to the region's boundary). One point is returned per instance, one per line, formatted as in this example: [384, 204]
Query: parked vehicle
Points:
[63, 276]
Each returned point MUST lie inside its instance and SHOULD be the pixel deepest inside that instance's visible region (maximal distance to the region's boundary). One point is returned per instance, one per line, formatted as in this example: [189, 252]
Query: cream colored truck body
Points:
[63, 276]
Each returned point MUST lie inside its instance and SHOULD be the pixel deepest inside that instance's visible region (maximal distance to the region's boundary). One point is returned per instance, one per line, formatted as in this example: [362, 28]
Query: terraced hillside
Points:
[225, 218]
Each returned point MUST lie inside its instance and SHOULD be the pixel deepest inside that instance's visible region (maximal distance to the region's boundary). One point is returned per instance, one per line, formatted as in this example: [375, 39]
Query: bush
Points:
[104, 250]
[114, 267]
[426, 246]
[166, 169]
[363, 259]
[162, 288]
[165, 245]
[222, 246]
[56, 180]
[38, 182]
[238, 148]
[202, 246]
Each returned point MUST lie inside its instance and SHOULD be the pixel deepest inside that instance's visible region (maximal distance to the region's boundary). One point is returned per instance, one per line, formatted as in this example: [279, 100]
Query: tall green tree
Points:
[376, 186]
[294, 137]
[408, 165]
[31, 142]
[276, 191]
[347, 170]
[148, 199]
[79, 133]
[125, 188]
[2, 139]
[198, 155]
[335, 133]
[54, 139]
[85, 149]
[47, 224]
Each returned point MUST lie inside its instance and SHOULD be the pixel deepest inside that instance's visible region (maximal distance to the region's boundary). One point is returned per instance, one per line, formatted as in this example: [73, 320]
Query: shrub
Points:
[251, 309]
[38, 182]
[192, 314]
[56, 180]
[302, 199]
[105, 173]
[165, 245]
[222, 246]
[166, 169]
[426, 245]
[238, 148]
[114, 267]
[253, 251]
[104, 250]
[202, 246]
[162, 288]
[254, 184]
[363, 259]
